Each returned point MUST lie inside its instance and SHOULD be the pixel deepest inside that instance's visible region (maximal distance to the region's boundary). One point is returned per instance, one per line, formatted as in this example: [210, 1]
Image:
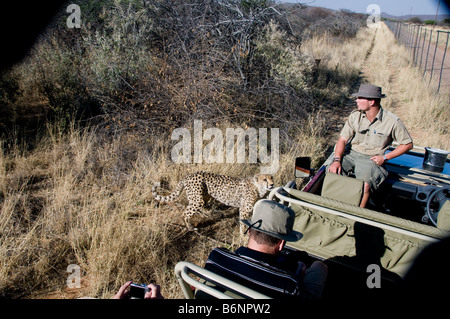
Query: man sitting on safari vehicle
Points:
[262, 266]
[371, 130]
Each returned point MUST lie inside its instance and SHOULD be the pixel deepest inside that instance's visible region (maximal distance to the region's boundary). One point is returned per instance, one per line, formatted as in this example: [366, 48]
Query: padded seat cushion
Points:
[253, 274]
[343, 188]
[443, 219]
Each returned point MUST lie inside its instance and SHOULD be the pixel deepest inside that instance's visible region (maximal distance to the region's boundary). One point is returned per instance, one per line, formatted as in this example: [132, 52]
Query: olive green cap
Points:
[274, 219]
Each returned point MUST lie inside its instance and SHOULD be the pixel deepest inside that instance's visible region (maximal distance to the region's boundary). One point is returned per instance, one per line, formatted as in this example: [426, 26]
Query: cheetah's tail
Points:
[169, 198]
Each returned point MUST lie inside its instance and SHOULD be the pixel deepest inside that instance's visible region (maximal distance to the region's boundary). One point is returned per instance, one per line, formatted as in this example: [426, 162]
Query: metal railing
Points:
[184, 269]
[428, 49]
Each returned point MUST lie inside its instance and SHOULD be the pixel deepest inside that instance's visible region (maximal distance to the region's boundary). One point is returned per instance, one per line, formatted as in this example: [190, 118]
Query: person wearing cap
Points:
[261, 265]
[371, 130]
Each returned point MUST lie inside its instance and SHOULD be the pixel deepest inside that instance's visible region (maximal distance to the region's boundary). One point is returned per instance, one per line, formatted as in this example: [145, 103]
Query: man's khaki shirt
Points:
[374, 138]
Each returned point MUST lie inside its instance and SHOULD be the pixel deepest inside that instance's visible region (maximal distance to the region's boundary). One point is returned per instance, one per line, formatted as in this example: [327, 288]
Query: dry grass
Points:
[71, 202]
[346, 54]
[76, 199]
[410, 96]
[340, 62]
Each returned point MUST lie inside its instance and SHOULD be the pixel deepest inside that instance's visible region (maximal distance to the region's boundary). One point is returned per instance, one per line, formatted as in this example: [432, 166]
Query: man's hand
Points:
[378, 159]
[123, 291]
[335, 167]
[154, 292]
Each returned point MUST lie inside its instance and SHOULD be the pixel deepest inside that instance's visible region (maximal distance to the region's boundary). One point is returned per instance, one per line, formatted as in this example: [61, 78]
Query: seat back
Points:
[343, 188]
[268, 280]
[443, 219]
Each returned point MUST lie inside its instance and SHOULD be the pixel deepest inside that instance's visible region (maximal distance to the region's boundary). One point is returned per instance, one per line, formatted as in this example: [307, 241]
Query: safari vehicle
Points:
[368, 250]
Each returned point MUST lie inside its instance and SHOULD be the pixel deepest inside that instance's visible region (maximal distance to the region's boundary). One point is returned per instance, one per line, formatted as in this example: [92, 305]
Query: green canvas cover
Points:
[361, 238]
[343, 188]
[443, 220]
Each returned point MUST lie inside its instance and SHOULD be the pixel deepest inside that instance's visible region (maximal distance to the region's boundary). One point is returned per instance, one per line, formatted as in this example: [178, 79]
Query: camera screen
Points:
[137, 291]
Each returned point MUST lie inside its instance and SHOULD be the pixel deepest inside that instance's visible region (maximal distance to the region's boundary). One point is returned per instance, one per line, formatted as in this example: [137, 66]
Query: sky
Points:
[392, 7]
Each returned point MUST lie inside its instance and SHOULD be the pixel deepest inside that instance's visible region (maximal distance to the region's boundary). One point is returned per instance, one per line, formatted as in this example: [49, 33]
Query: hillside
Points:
[422, 17]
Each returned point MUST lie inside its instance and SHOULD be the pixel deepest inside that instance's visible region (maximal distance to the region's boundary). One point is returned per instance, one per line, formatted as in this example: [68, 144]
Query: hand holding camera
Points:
[138, 291]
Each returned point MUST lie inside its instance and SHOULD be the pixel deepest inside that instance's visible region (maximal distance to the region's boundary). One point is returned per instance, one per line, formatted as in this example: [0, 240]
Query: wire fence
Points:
[428, 48]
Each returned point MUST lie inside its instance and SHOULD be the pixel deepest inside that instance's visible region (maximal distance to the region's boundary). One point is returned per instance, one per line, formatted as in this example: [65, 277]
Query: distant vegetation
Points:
[426, 19]
[150, 66]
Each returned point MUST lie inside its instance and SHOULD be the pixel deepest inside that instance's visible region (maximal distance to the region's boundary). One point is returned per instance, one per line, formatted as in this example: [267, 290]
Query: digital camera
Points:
[137, 291]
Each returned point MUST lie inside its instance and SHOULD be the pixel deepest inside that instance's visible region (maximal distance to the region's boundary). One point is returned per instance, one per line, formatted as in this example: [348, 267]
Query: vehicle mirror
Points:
[302, 167]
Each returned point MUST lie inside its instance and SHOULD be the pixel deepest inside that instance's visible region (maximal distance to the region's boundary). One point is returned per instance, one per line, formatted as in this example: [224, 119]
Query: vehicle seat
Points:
[258, 276]
[343, 188]
[443, 219]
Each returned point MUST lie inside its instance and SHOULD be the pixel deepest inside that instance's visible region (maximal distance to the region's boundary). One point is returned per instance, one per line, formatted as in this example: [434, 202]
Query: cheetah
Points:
[231, 191]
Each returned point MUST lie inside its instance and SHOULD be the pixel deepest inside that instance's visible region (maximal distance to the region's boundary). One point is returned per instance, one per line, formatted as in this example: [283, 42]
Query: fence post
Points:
[428, 51]
[423, 45]
[416, 40]
[434, 56]
[443, 59]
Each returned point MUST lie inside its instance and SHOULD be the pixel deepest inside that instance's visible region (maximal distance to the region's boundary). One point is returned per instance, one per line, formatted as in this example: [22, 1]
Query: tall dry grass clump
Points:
[73, 202]
[76, 201]
[339, 63]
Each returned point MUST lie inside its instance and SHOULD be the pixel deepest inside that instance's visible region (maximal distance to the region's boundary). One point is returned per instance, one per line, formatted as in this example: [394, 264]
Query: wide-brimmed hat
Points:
[369, 91]
[274, 219]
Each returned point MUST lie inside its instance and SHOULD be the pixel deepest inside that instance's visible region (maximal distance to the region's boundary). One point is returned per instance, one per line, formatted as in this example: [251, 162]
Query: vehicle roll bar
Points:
[183, 269]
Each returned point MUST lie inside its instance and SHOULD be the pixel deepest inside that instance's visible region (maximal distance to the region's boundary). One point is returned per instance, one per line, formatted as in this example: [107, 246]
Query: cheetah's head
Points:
[264, 183]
